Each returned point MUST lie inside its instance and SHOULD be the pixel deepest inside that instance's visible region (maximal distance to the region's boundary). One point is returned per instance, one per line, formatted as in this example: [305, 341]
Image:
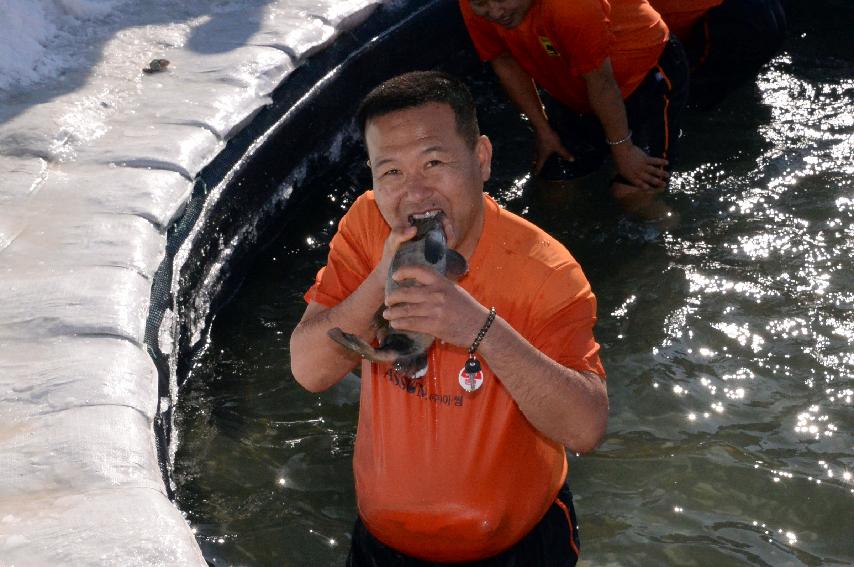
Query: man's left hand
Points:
[641, 170]
[435, 306]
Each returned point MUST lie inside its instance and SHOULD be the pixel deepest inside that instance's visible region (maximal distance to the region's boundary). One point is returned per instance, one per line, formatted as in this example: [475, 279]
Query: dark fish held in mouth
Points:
[408, 350]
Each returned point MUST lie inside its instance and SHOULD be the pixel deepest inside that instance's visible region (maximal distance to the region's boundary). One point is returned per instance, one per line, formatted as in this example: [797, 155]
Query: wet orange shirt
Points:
[559, 41]
[443, 474]
[681, 15]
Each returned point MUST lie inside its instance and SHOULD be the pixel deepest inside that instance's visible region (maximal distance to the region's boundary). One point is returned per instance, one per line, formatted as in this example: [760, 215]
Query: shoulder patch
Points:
[548, 46]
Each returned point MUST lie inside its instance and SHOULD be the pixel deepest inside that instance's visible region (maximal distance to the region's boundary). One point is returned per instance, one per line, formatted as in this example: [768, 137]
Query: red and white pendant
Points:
[471, 375]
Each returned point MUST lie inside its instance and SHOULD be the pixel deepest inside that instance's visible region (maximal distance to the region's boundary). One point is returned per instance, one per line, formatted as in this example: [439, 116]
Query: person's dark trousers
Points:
[552, 543]
[653, 109]
[729, 45]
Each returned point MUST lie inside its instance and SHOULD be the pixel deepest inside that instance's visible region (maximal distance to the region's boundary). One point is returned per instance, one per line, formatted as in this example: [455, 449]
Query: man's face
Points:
[421, 164]
[507, 13]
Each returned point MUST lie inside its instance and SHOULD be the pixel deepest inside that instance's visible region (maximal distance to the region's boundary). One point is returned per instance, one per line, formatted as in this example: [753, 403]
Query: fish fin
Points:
[455, 265]
[434, 247]
[413, 366]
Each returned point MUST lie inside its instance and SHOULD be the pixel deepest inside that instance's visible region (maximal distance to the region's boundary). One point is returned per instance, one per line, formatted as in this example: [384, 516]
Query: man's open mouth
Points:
[425, 215]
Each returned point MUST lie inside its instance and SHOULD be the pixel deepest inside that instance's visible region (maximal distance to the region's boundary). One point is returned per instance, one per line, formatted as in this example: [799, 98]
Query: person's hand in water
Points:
[639, 169]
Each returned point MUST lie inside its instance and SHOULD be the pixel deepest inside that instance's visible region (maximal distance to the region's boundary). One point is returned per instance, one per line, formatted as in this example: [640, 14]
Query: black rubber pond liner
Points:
[239, 195]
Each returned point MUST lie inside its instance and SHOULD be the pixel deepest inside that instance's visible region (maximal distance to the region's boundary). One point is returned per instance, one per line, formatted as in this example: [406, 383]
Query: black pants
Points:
[552, 543]
[729, 45]
[653, 110]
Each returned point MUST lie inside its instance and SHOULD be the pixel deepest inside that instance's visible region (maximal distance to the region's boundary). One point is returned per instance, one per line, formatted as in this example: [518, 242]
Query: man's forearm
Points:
[318, 362]
[567, 406]
[520, 87]
[607, 102]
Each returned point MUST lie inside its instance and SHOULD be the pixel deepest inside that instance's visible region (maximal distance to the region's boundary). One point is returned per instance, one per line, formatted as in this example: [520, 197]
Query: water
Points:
[727, 341]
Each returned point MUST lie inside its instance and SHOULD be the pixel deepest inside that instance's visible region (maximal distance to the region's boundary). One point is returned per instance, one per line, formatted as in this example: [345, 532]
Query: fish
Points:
[407, 350]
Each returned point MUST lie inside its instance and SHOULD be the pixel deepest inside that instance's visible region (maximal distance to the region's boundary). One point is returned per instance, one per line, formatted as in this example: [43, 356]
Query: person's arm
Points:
[642, 170]
[568, 406]
[318, 362]
[522, 91]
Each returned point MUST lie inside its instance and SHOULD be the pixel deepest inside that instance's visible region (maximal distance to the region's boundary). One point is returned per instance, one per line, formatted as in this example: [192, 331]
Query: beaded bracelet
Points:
[472, 366]
[621, 141]
[482, 333]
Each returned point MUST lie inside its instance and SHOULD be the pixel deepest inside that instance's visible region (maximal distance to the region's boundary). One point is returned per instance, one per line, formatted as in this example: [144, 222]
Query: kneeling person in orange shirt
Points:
[453, 466]
[727, 41]
[615, 81]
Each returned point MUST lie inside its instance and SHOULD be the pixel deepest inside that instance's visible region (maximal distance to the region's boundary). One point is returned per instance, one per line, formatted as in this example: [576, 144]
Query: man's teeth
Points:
[427, 215]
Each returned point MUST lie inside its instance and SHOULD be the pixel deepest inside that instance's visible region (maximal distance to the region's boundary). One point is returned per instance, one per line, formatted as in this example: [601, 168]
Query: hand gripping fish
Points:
[408, 351]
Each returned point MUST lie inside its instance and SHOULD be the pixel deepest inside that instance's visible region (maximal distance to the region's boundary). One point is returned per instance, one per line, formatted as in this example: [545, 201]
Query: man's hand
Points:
[435, 306]
[398, 236]
[541, 387]
[317, 362]
[548, 143]
[641, 170]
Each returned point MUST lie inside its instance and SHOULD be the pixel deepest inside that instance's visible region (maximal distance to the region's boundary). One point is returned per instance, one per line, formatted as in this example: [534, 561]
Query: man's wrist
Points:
[621, 149]
[623, 140]
[543, 131]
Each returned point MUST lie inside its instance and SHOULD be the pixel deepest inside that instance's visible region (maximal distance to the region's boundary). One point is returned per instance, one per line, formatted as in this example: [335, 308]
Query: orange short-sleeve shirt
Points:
[681, 15]
[443, 474]
[560, 41]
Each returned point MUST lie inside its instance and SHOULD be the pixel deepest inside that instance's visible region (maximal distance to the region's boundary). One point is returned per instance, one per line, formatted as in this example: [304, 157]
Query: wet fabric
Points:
[558, 42]
[653, 112]
[430, 457]
[553, 542]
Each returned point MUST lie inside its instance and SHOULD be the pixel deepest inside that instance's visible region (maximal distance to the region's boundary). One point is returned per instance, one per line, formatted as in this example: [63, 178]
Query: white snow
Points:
[97, 160]
[29, 29]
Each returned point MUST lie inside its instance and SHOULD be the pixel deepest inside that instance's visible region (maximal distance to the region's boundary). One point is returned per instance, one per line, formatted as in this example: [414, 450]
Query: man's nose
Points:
[418, 187]
[494, 11]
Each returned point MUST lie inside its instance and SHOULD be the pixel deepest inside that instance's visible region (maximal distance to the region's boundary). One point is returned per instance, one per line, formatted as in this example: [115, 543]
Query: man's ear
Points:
[483, 150]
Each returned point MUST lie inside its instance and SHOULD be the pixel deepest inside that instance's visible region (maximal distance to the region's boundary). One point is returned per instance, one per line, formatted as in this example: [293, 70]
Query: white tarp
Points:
[96, 162]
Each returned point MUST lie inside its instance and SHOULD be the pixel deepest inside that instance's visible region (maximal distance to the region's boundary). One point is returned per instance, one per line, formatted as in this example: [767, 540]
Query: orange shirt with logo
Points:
[560, 41]
[681, 15]
[441, 473]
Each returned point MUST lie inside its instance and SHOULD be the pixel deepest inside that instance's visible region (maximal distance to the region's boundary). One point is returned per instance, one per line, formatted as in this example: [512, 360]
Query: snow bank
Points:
[30, 28]
[97, 160]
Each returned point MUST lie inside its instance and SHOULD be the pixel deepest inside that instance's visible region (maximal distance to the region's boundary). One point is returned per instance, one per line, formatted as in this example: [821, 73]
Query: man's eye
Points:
[434, 162]
[390, 172]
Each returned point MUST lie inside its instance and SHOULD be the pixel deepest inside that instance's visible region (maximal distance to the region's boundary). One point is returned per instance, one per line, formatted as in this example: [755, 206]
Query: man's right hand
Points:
[317, 362]
[398, 236]
[548, 143]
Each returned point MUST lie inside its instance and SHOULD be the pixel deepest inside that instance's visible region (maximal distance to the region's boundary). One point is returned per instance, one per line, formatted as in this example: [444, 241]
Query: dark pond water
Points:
[727, 341]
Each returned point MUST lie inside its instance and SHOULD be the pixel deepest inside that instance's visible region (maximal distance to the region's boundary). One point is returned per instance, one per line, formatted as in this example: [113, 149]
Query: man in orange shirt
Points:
[727, 41]
[619, 81]
[458, 464]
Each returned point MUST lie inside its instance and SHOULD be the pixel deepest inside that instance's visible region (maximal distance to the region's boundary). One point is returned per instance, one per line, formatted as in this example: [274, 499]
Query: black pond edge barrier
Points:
[240, 194]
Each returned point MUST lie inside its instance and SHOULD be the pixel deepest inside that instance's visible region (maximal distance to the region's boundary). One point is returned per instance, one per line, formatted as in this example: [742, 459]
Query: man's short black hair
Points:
[422, 87]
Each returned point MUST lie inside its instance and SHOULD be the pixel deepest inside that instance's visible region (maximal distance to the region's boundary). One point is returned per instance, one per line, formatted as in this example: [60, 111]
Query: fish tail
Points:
[357, 345]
